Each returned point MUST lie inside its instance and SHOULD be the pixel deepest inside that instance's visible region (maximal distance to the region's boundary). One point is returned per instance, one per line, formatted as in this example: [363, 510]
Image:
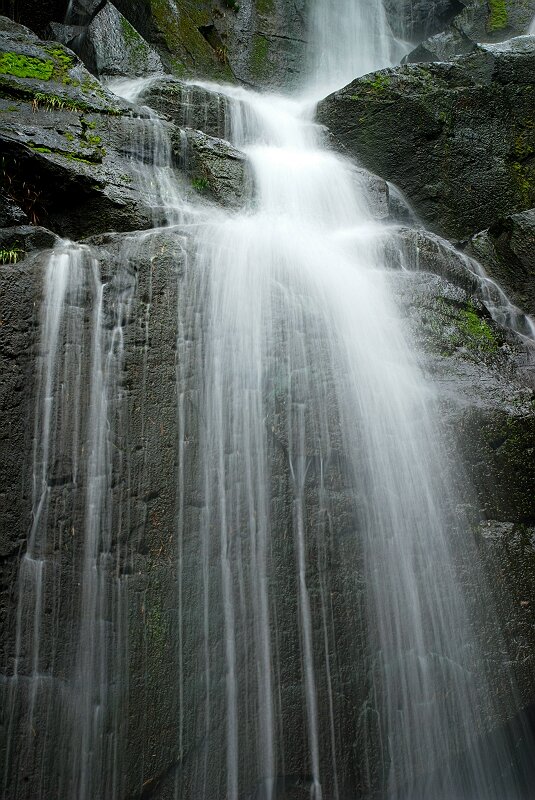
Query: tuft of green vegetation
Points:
[477, 329]
[200, 184]
[25, 66]
[498, 15]
[378, 84]
[232, 4]
[11, 256]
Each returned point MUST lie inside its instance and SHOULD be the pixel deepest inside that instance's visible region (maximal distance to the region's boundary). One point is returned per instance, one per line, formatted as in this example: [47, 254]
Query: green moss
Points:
[259, 62]
[524, 181]
[378, 84]
[477, 329]
[138, 50]
[524, 145]
[265, 6]
[59, 55]
[84, 159]
[25, 66]
[498, 15]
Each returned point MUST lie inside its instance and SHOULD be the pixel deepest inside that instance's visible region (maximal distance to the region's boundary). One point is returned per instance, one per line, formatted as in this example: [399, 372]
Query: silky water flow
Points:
[325, 641]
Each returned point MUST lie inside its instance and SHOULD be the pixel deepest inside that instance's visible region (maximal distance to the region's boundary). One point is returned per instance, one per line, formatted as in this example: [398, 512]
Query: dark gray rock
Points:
[188, 105]
[507, 251]
[442, 47]
[458, 139]
[68, 144]
[10, 212]
[477, 21]
[24, 239]
[65, 34]
[14, 30]
[81, 12]
[111, 46]
[415, 19]
[216, 168]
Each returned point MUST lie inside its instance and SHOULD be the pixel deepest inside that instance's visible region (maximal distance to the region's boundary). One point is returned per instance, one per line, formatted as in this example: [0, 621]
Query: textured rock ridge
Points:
[458, 138]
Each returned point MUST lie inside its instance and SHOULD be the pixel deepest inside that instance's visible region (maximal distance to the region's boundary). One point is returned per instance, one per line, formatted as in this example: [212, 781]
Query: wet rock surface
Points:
[457, 138]
[68, 164]
[111, 46]
[476, 21]
[507, 250]
[215, 168]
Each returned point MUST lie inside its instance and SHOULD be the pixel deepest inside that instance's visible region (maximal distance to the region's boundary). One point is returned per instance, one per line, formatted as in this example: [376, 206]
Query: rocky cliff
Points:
[457, 139]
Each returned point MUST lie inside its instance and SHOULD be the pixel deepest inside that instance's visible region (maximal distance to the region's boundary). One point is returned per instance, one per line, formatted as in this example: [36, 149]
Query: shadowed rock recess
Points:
[111, 565]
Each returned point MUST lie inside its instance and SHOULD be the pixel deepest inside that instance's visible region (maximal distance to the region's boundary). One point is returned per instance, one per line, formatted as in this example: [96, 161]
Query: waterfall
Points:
[324, 635]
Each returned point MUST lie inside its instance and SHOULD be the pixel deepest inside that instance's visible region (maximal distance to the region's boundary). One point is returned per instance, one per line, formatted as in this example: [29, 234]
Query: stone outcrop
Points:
[73, 154]
[476, 21]
[215, 168]
[458, 138]
[111, 46]
[70, 147]
[507, 249]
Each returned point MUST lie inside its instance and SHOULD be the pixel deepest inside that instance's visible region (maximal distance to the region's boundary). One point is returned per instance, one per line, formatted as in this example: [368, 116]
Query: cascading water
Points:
[319, 535]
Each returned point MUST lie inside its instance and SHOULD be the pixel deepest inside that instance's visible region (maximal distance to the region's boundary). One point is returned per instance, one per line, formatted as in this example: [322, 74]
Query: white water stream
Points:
[305, 372]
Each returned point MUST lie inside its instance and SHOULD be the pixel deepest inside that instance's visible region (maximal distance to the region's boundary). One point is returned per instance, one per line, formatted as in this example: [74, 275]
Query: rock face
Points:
[260, 42]
[507, 249]
[458, 138]
[477, 21]
[215, 167]
[127, 374]
[257, 41]
[111, 46]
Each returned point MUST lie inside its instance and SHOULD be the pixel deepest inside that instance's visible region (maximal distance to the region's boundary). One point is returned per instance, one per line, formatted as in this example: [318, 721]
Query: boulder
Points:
[258, 42]
[189, 105]
[110, 46]
[65, 139]
[507, 251]
[477, 21]
[458, 139]
[215, 168]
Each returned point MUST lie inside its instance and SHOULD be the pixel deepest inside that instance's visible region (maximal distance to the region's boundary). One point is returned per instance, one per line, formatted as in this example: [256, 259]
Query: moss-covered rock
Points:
[476, 21]
[458, 139]
[111, 46]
